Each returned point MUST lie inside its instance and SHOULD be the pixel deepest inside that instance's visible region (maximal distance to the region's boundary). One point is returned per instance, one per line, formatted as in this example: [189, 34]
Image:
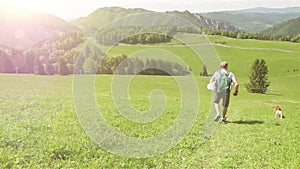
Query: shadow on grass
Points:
[274, 94]
[248, 122]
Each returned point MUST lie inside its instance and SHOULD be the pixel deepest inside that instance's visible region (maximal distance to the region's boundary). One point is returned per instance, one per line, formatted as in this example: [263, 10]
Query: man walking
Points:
[223, 80]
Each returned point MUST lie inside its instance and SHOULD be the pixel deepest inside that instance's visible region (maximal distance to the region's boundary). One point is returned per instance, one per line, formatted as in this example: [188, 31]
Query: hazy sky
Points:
[67, 9]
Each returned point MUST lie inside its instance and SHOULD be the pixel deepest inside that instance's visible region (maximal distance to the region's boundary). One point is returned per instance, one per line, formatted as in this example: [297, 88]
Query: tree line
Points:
[163, 34]
[59, 54]
[140, 35]
[44, 58]
[124, 65]
[257, 36]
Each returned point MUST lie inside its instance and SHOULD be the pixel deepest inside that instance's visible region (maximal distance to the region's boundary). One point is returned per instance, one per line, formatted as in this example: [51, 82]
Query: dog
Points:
[278, 111]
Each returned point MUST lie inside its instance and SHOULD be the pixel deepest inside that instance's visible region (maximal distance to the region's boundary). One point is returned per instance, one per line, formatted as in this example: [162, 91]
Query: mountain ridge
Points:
[255, 19]
[106, 15]
[269, 10]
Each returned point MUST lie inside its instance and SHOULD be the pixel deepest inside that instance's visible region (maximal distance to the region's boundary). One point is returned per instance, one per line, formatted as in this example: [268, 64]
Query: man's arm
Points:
[213, 78]
[236, 86]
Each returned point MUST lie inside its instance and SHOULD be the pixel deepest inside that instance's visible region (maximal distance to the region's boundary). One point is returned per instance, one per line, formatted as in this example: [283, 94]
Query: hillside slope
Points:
[291, 27]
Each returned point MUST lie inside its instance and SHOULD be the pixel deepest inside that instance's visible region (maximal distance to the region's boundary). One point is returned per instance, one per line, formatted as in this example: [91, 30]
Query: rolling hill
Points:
[103, 16]
[291, 27]
[255, 19]
[22, 28]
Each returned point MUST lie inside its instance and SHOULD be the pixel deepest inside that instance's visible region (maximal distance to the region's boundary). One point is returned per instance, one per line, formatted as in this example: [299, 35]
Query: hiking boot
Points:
[217, 118]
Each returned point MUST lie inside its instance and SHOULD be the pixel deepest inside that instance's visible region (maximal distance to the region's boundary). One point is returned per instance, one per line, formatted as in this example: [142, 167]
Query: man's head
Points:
[224, 65]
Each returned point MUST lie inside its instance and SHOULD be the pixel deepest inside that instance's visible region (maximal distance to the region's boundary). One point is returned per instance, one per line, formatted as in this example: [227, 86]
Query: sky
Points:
[70, 9]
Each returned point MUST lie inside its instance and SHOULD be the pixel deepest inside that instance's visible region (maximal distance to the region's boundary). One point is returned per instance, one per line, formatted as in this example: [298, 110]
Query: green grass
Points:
[294, 47]
[39, 126]
[240, 60]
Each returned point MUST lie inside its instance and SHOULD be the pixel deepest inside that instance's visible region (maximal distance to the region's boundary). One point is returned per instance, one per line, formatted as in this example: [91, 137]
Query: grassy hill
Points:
[22, 28]
[103, 16]
[291, 27]
[256, 19]
[40, 127]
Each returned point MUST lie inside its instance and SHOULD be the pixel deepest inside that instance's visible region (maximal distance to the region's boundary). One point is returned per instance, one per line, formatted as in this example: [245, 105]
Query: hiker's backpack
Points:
[223, 82]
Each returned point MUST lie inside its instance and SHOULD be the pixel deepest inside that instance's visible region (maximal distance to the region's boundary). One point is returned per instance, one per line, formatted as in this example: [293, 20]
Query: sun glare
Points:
[15, 10]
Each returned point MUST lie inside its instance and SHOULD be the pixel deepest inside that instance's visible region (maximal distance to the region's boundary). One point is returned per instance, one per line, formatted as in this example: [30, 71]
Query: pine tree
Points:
[38, 67]
[90, 66]
[258, 77]
[6, 65]
[62, 67]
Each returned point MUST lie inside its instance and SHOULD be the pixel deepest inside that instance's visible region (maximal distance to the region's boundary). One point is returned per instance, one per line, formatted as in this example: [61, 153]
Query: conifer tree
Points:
[62, 67]
[258, 77]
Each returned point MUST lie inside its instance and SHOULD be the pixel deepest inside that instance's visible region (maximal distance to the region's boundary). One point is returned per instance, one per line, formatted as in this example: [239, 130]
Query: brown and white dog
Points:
[278, 111]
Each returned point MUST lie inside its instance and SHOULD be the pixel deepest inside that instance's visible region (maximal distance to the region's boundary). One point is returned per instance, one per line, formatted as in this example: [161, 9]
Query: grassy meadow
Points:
[39, 127]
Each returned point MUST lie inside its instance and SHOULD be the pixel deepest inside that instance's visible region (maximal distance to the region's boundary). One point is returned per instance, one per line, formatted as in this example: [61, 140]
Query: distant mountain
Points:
[270, 10]
[22, 28]
[103, 16]
[255, 19]
[291, 27]
[204, 22]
